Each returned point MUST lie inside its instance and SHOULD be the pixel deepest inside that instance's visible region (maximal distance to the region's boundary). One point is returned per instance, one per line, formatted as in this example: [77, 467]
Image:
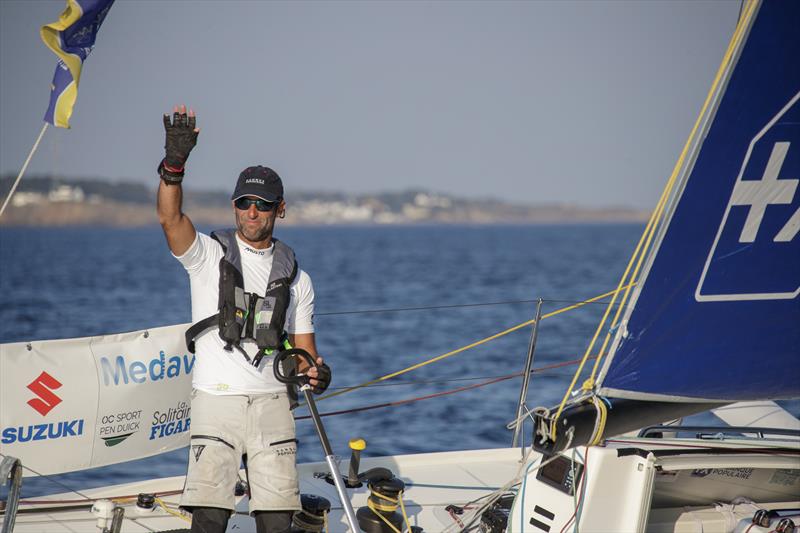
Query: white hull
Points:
[631, 485]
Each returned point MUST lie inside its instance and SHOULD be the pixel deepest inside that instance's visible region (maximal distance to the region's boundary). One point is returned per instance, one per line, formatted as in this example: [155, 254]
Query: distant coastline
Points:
[49, 201]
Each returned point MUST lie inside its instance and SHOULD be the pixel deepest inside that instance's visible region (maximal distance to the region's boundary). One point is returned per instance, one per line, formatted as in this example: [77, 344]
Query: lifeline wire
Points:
[474, 344]
[453, 306]
[442, 381]
[70, 489]
[656, 216]
[496, 379]
[49, 478]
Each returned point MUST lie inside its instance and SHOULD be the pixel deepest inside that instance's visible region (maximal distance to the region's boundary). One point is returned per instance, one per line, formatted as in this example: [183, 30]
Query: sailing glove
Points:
[180, 139]
[323, 379]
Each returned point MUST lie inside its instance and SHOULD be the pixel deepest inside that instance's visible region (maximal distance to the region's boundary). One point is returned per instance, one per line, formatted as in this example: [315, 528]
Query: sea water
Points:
[387, 297]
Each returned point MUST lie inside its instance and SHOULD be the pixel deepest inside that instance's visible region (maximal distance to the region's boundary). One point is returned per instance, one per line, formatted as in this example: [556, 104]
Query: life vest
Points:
[242, 315]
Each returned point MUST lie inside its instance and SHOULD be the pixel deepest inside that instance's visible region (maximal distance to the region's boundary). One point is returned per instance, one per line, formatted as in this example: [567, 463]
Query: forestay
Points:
[716, 315]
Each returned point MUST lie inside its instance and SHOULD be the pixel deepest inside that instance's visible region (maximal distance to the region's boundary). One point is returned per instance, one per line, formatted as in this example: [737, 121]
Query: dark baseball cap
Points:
[261, 182]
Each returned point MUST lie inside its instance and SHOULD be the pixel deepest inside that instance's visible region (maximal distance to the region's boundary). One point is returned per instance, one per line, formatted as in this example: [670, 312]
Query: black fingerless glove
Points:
[323, 378]
[180, 139]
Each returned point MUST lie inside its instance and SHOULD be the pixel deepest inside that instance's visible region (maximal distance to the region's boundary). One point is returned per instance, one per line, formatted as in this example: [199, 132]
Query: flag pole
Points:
[24, 168]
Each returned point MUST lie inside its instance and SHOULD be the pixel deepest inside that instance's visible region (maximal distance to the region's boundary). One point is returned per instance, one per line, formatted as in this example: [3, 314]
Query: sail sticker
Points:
[756, 253]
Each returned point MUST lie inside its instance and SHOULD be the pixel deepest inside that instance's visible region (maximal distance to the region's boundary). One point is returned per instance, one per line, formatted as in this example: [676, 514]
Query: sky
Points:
[574, 102]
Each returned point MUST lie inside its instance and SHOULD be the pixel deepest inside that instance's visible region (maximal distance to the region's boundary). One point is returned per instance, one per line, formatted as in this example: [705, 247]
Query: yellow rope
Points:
[173, 512]
[389, 508]
[610, 305]
[647, 236]
[379, 515]
[673, 178]
[469, 346]
[646, 239]
[600, 424]
[403, 512]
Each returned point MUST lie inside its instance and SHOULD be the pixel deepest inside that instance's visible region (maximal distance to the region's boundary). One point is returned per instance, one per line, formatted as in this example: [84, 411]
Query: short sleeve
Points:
[300, 316]
[202, 252]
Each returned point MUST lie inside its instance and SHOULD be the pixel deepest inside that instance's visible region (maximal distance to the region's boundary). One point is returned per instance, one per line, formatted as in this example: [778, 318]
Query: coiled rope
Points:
[376, 507]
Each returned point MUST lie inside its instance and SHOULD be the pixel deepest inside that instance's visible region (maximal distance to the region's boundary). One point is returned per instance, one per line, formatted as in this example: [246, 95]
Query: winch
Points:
[312, 517]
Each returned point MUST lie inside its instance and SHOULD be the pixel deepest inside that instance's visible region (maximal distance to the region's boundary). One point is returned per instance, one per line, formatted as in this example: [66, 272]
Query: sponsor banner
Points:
[81, 403]
[48, 402]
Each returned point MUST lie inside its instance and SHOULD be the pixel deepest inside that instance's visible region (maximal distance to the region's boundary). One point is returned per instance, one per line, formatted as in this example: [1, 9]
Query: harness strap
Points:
[198, 328]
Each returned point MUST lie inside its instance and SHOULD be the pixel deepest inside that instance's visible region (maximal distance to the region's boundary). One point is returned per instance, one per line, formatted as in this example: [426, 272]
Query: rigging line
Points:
[398, 383]
[679, 164]
[24, 168]
[634, 275]
[650, 224]
[519, 478]
[411, 400]
[496, 379]
[49, 478]
[472, 345]
[615, 321]
[490, 498]
[453, 306]
[668, 187]
[123, 497]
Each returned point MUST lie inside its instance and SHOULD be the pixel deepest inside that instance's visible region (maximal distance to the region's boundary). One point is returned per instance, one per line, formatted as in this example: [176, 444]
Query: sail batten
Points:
[716, 314]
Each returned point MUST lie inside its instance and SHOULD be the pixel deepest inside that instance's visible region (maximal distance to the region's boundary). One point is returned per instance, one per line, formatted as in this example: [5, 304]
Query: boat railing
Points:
[11, 474]
[718, 432]
[526, 376]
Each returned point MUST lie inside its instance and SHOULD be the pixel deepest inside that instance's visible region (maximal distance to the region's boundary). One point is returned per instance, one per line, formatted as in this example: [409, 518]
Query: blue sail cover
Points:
[718, 314]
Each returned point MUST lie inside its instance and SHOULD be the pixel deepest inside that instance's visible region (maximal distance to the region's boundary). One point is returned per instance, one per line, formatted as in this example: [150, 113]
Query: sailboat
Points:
[709, 318]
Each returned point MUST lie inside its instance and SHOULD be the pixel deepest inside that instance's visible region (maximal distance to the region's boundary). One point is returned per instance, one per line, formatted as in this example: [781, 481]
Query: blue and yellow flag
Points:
[71, 38]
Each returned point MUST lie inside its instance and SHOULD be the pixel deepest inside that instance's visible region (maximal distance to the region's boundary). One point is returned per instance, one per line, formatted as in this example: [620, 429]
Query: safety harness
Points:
[243, 315]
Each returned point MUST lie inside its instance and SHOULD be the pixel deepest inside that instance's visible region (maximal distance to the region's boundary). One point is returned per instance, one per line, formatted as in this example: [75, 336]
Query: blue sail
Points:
[716, 315]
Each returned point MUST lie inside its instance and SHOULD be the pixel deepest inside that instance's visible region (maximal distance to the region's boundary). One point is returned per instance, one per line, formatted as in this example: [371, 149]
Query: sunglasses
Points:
[244, 204]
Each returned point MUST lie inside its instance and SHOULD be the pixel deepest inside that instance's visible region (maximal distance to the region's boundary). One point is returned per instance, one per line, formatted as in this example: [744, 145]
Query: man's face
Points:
[255, 225]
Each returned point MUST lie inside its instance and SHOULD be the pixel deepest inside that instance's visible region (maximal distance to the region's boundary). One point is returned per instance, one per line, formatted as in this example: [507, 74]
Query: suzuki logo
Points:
[42, 387]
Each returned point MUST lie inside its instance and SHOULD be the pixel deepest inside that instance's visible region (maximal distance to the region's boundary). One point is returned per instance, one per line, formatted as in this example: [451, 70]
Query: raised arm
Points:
[181, 135]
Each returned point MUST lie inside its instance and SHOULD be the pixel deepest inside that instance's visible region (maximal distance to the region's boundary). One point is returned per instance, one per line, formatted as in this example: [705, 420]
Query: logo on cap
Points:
[254, 180]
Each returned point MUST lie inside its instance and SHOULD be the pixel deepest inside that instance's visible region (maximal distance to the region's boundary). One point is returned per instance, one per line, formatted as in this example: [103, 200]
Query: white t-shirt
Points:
[216, 370]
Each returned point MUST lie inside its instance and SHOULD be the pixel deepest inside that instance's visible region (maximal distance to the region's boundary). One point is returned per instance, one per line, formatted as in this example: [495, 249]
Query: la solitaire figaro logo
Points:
[174, 419]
